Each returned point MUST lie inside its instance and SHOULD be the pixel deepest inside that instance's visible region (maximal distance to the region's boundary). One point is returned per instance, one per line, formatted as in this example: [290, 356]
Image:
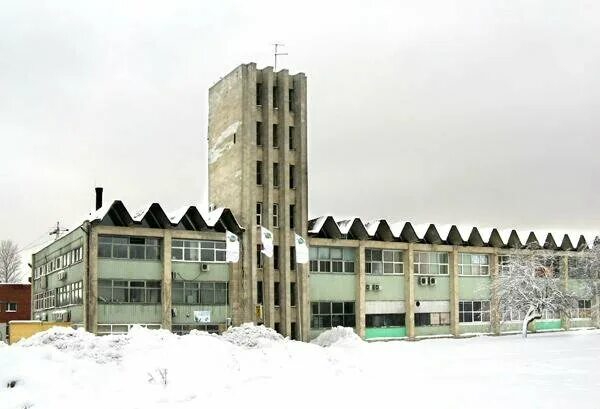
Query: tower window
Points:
[276, 174]
[292, 294]
[259, 292]
[292, 258]
[258, 94]
[292, 177]
[275, 98]
[276, 294]
[259, 172]
[275, 215]
[292, 216]
[259, 258]
[291, 141]
[259, 134]
[276, 257]
[291, 100]
[259, 212]
[275, 136]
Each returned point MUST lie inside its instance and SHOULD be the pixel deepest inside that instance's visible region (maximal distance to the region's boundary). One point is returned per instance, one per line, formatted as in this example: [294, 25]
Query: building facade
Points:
[15, 305]
[168, 270]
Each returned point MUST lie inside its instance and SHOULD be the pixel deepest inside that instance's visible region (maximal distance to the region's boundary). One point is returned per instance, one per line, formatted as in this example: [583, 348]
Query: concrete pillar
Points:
[494, 300]
[360, 291]
[92, 293]
[454, 292]
[564, 319]
[166, 281]
[409, 291]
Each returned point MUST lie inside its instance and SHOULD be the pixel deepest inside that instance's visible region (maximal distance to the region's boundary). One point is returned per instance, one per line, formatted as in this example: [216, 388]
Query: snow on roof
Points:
[318, 224]
[213, 216]
[139, 214]
[175, 216]
[372, 227]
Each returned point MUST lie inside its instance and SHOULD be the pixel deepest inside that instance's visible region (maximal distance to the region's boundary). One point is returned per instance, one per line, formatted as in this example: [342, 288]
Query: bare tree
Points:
[10, 262]
[529, 283]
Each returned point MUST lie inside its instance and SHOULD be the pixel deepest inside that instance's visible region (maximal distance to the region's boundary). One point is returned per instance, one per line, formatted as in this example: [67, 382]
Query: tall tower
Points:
[258, 168]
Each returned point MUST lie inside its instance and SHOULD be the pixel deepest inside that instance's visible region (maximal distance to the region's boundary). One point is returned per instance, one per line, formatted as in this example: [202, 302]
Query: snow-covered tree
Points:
[586, 268]
[10, 262]
[529, 283]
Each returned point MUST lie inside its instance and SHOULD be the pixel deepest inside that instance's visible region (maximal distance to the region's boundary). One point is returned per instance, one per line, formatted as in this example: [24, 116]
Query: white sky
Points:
[482, 112]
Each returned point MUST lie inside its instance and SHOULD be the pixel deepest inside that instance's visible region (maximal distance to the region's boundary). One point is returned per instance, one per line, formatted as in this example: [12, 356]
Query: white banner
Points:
[232, 246]
[202, 316]
[301, 250]
[266, 238]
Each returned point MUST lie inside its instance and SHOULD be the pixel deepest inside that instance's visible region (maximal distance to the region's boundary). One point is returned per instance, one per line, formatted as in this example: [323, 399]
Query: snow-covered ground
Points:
[253, 367]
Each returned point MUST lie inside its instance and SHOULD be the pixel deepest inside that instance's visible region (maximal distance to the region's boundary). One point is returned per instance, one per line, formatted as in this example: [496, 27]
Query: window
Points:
[292, 177]
[384, 320]
[292, 294]
[275, 215]
[259, 292]
[431, 263]
[503, 264]
[383, 261]
[275, 98]
[331, 259]
[259, 212]
[277, 327]
[275, 174]
[473, 264]
[129, 291]
[259, 95]
[259, 256]
[583, 310]
[276, 294]
[512, 315]
[70, 294]
[44, 300]
[550, 315]
[198, 250]
[292, 216]
[259, 172]
[187, 328]
[106, 329]
[137, 248]
[200, 293]
[11, 307]
[276, 257]
[291, 138]
[259, 134]
[426, 319]
[331, 314]
[578, 268]
[291, 100]
[473, 311]
[292, 258]
[275, 136]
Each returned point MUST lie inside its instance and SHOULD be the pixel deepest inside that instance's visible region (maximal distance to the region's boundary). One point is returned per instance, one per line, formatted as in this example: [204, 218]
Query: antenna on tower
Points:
[275, 54]
[57, 231]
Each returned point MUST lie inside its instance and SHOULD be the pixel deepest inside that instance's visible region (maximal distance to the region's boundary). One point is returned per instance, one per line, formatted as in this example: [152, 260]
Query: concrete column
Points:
[166, 281]
[409, 291]
[92, 293]
[494, 300]
[454, 292]
[564, 319]
[360, 291]
[597, 311]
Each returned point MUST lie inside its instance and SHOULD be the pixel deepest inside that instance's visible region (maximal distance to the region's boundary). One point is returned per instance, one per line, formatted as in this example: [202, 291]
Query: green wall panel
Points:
[130, 269]
[475, 328]
[185, 313]
[439, 291]
[389, 332]
[392, 287]
[433, 330]
[193, 271]
[581, 323]
[129, 313]
[510, 326]
[332, 287]
[545, 325]
[474, 288]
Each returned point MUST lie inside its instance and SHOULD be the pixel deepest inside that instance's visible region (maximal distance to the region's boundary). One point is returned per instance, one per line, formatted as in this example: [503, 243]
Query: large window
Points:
[331, 259]
[198, 250]
[431, 263]
[107, 329]
[70, 294]
[503, 266]
[426, 319]
[331, 314]
[275, 174]
[140, 248]
[473, 264]
[384, 320]
[129, 291]
[473, 311]
[383, 261]
[578, 267]
[66, 258]
[183, 329]
[11, 307]
[44, 300]
[259, 172]
[512, 315]
[200, 293]
[583, 310]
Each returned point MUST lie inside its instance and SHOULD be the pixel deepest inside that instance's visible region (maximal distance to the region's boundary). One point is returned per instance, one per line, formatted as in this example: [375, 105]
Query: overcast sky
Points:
[482, 112]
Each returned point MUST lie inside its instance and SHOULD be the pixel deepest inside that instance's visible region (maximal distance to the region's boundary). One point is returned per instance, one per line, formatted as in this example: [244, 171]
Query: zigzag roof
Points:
[381, 230]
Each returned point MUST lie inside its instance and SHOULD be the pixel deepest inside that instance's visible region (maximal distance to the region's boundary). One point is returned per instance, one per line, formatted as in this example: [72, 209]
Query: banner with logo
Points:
[266, 238]
[301, 250]
[232, 247]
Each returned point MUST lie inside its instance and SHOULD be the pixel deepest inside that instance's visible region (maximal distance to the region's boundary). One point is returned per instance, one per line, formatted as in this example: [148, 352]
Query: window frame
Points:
[462, 265]
[418, 264]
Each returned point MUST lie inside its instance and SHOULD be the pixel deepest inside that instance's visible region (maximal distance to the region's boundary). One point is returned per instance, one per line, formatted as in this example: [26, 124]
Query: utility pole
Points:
[276, 54]
[57, 231]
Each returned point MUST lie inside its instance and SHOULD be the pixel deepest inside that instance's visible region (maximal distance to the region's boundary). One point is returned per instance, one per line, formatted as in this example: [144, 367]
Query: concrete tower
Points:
[258, 168]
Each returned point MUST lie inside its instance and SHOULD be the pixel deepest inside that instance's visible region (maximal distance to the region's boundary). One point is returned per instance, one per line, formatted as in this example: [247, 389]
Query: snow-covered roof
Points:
[328, 227]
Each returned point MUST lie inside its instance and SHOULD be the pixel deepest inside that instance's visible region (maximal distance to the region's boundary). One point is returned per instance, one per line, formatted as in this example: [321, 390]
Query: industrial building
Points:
[168, 269]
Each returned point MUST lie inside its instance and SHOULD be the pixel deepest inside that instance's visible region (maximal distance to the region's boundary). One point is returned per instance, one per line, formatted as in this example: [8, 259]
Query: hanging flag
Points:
[266, 237]
[301, 250]
[232, 247]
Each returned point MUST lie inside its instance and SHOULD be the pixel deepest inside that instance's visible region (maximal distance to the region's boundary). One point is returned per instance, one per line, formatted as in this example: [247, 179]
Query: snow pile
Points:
[338, 336]
[252, 336]
[80, 343]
